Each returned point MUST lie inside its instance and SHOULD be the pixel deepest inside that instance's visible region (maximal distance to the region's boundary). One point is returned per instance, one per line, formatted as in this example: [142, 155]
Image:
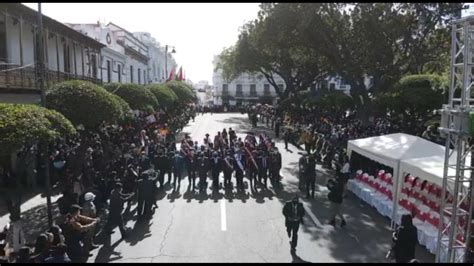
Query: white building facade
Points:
[156, 65]
[68, 54]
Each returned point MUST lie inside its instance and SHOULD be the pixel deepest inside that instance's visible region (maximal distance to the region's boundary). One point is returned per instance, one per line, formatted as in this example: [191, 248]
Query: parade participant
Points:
[89, 210]
[169, 165]
[232, 136]
[310, 175]
[239, 168]
[301, 171]
[262, 163]
[224, 136]
[405, 240]
[145, 193]
[216, 166]
[191, 167]
[286, 137]
[277, 127]
[115, 211]
[178, 165]
[202, 168]
[293, 212]
[228, 169]
[335, 197]
[252, 168]
[275, 166]
[160, 163]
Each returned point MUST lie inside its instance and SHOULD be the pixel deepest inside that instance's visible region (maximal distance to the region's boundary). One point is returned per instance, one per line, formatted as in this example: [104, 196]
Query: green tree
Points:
[383, 40]
[412, 100]
[272, 44]
[183, 91]
[84, 103]
[138, 97]
[164, 94]
[22, 125]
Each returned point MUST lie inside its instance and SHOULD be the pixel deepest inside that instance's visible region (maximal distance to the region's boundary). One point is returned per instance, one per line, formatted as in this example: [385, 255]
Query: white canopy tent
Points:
[391, 150]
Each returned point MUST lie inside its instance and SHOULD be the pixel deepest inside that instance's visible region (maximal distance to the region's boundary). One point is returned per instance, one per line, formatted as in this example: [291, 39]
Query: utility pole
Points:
[40, 69]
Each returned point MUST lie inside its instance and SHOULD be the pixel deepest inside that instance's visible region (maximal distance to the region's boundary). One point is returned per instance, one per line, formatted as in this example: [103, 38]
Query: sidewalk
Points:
[34, 214]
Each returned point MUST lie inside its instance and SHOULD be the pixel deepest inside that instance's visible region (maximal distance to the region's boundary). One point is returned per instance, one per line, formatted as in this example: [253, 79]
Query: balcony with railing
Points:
[15, 77]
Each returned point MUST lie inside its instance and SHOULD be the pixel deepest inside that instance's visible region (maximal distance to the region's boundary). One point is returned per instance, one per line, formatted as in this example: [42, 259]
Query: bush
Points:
[164, 94]
[138, 97]
[22, 124]
[83, 102]
[125, 110]
[184, 92]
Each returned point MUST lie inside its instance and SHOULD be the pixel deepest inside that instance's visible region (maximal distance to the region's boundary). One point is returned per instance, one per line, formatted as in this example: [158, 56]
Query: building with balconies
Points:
[68, 54]
[243, 90]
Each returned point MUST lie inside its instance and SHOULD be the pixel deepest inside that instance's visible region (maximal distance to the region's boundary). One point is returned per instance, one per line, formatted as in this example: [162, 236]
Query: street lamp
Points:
[166, 59]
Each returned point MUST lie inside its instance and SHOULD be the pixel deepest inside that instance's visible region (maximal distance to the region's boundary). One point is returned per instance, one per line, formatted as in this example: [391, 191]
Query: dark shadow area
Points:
[140, 231]
[107, 250]
[174, 195]
[296, 258]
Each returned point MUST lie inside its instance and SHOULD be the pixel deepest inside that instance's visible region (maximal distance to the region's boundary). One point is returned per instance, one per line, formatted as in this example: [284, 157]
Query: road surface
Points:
[188, 227]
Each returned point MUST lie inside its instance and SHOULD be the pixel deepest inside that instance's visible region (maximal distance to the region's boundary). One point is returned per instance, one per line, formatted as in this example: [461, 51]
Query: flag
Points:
[171, 77]
[180, 74]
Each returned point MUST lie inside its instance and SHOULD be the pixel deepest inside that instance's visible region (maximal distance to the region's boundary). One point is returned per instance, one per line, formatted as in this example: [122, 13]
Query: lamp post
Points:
[166, 60]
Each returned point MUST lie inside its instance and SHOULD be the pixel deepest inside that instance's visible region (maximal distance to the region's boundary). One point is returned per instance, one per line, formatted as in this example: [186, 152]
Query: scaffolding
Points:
[456, 205]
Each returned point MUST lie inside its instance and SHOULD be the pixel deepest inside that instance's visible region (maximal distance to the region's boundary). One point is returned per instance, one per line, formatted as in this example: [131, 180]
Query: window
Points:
[266, 89]
[119, 71]
[253, 90]
[67, 59]
[3, 41]
[225, 89]
[239, 90]
[131, 74]
[94, 65]
[139, 76]
[109, 72]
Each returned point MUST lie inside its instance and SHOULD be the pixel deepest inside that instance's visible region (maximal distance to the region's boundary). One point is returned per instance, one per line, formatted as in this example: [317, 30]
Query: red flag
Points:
[171, 77]
[180, 74]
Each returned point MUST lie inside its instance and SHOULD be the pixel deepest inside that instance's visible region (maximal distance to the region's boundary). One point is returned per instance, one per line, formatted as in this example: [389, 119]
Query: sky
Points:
[198, 31]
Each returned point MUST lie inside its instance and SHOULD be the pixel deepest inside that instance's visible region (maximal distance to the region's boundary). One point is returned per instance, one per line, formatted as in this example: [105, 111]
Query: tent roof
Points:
[391, 149]
[430, 168]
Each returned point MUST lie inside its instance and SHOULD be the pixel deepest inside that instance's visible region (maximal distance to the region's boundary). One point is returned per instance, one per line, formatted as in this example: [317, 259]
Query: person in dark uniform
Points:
[216, 166]
[178, 167]
[310, 175]
[202, 168]
[301, 171]
[293, 212]
[146, 186]
[252, 169]
[115, 211]
[286, 137]
[228, 169]
[239, 166]
[191, 168]
[168, 165]
[405, 240]
[160, 162]
[277, 127]
[275, 166]
[262, 163]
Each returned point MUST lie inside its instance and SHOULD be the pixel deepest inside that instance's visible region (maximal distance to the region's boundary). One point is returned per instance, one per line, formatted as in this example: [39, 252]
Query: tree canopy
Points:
[137, 96]
[83, 102]
[183, 91]
[22, 124]
[164, 94]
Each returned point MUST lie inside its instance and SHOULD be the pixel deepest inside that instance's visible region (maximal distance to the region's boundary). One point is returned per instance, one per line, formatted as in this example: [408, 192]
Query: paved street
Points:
[250, 228]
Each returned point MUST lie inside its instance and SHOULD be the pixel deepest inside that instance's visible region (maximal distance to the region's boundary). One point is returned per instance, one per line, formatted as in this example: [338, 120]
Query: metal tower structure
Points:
[456, 199]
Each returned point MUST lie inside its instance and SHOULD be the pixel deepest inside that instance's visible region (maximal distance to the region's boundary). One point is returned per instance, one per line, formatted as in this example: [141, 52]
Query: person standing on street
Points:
[191, 167]
[262, 163]
[275, 166]
[216, 166]
[310, 175]
[336, 189]
[228, 169]
[202, 169]
[277, 128]
[293, 212]
[178, 166]
[239, 168]
[405, 240]
[286, 137]
[116, 208]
